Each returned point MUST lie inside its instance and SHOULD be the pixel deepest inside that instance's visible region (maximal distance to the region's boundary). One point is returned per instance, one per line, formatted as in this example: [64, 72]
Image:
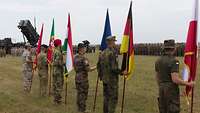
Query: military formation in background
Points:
[153, 49]
[156, 49]
[2, 52]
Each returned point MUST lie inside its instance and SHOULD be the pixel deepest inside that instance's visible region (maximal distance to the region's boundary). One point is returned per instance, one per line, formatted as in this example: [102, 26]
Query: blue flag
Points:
[107, 32]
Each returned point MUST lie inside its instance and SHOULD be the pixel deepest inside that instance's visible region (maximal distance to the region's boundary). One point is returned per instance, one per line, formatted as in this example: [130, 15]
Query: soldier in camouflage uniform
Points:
[42, 66]
[4, 52]
[27, 68]
[58, 78]
[167, 75]
[1, 52]
[109, 73]
[81, 65]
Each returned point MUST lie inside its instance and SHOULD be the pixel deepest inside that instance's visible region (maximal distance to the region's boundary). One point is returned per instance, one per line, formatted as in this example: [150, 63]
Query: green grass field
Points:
[141, 90]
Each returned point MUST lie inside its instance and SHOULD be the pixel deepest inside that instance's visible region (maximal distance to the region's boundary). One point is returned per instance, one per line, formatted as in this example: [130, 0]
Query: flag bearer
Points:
[58, 79]
[167, 74]
[42, 66]
[109, 74]
[27, 68]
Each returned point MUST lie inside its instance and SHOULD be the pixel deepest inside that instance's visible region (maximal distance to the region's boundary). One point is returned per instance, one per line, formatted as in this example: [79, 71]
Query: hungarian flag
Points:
[51, 45]
[190, 56]
[38, 47]
[127, 46]
[68, 48]
[107, 32]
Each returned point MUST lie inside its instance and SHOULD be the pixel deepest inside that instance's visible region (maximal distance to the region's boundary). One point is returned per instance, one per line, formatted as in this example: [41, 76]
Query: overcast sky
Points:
[154, 20]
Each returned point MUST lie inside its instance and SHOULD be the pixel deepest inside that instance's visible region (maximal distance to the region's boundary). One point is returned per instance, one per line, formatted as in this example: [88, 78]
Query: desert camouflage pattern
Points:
[27, 70]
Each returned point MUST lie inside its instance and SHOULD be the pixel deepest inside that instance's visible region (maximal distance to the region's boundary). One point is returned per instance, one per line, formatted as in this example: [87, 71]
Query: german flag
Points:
[127, 46]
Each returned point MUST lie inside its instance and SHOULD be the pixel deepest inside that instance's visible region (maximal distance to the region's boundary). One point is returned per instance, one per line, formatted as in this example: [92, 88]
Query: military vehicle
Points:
[29, 32]
[7, 44]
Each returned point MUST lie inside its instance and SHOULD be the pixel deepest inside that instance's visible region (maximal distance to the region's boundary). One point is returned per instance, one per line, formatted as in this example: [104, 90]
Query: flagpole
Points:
[35, 23]
[95, 97]
[66, 89]
[124, 86]
[66, 93]
[192, 101]
[50, 70]
[123, 96]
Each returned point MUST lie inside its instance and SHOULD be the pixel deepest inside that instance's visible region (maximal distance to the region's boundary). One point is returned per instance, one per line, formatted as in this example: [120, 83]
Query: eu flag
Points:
[107, 32]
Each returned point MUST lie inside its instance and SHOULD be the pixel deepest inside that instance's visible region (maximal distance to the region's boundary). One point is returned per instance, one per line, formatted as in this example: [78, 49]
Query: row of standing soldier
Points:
[42, 66]
[166, 67]
[108, 75]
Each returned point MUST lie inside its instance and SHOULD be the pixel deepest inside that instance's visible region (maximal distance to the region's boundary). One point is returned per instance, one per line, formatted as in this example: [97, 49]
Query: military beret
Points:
[57, 42]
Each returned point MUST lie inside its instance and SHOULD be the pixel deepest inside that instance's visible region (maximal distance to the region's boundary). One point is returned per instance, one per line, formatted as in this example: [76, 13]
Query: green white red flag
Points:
[68, 48]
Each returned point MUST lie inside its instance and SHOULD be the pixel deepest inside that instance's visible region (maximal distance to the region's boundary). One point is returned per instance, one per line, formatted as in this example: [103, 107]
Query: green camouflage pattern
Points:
[58, 78]
[109, 73]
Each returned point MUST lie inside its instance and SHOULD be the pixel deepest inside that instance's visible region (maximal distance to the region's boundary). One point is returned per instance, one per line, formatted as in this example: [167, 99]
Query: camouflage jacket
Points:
[57, 62]
[27, 58]
[81, 66]
[108, 66]
[42, 63]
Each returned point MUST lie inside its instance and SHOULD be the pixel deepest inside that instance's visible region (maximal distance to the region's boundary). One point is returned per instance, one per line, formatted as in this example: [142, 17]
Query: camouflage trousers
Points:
[27, 74]
[169, 98]
[58, 81]
[110, 93]
[43, 84]
[82, 94]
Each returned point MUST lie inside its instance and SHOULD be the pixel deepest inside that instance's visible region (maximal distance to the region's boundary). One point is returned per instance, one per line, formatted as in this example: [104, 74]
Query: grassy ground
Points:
[141, 91]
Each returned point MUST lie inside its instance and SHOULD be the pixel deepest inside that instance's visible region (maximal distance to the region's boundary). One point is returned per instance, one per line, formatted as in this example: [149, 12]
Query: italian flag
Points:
[68, 48]
[190, 56]
[127, 46]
